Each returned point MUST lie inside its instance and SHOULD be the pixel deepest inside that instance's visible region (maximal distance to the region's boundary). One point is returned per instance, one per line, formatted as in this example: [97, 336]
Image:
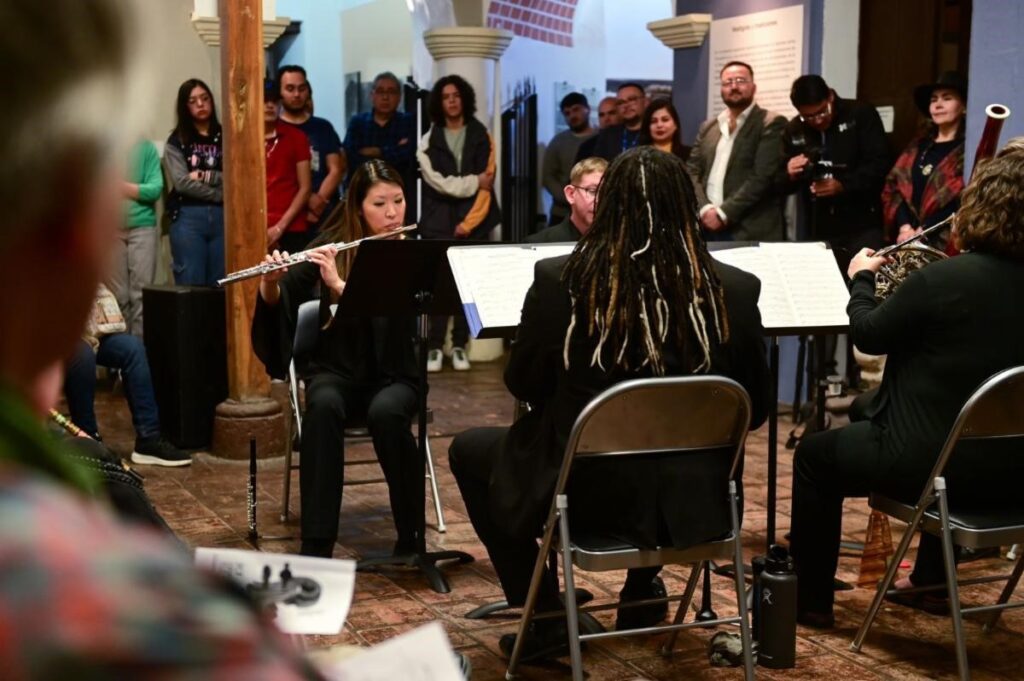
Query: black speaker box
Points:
[186, 342]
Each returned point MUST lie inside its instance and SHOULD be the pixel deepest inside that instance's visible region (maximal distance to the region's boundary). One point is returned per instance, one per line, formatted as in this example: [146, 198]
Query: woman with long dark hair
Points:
[660, 128]
[359, 369]
[194, 161]
[923, 187]
[640, 296]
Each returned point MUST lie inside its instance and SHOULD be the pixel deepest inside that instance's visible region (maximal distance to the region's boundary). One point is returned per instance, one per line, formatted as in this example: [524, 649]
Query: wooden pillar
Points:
[249, 411]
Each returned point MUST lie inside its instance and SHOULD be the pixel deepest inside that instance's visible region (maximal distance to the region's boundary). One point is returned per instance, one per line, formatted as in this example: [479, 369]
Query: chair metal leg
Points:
[1011, 585]
[293, 396]
[572, 614]
[741, 586]
[951, 585]
[433, 489]
[886, 583]
[691, 587]
[531, 600]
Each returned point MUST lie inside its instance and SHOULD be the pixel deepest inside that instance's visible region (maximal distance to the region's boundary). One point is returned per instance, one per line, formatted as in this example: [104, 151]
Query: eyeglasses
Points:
[386, 92]
[630, 100]
[735, 81]
[589, 191]
[820, 116]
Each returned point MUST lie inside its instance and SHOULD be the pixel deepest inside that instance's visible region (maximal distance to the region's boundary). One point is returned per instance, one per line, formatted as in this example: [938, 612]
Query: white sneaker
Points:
[459, 360]
[434, 360]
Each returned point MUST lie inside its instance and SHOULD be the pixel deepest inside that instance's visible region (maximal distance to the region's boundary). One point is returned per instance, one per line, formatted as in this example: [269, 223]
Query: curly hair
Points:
[641, 280]
[434, 106]
[991, 215]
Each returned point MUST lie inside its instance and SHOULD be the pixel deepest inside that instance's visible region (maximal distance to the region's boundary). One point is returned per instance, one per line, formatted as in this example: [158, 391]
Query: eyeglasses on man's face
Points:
[630, 100]
[738, 82]
[591, 192]
[818, 116]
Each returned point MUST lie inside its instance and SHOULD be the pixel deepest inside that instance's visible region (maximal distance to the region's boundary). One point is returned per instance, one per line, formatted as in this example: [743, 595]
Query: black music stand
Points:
[419, 283]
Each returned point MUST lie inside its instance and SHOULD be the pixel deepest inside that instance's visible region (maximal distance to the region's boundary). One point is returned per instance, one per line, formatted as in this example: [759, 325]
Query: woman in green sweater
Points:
[140, 239]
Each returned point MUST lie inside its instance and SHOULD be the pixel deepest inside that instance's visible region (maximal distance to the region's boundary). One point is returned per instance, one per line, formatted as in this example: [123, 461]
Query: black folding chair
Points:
[307, 327]
[995, 410]
[672, 417]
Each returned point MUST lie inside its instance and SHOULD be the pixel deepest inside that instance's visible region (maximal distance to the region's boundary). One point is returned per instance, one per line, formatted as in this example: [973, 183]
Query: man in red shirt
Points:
[289, 179]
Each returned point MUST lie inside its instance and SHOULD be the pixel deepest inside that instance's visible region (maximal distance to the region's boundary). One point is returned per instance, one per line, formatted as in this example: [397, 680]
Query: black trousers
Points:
[471, 457]
[829, 467]
[388, 412]
[439, 329]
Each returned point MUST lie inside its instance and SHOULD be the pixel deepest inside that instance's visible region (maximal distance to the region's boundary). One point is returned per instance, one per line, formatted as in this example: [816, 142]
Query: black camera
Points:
[818, 168]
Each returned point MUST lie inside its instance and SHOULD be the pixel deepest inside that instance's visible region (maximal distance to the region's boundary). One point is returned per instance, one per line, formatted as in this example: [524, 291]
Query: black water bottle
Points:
[777, 611]
[757, 567]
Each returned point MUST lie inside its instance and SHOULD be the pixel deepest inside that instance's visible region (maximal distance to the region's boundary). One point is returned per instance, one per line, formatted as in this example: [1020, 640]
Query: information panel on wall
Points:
[772, 42]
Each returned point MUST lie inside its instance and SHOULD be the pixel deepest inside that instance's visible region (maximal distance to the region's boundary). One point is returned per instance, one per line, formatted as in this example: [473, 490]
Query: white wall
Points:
[632, 51]
[839, 46]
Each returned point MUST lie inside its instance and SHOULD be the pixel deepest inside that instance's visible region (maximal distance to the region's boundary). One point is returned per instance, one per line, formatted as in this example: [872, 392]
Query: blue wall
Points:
[690, 88]
[997, 69]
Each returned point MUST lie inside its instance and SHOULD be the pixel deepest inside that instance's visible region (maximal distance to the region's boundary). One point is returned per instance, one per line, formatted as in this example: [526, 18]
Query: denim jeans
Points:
[126, 353]
[197, 245]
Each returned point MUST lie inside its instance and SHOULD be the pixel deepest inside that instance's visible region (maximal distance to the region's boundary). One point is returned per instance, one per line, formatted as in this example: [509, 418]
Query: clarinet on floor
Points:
[254, 535]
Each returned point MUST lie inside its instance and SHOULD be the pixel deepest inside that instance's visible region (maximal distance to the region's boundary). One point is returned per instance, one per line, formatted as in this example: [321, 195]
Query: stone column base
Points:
[236, 423]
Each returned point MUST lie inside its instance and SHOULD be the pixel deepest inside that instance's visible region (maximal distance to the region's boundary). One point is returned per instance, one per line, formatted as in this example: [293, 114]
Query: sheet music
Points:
[320, 589]
[801, 285]
[423, 654]
[493, 280]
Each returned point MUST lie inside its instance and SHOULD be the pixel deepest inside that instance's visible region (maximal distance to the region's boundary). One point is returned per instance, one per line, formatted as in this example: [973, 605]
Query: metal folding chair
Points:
[307, 327]
[995, 410]
[673, 417]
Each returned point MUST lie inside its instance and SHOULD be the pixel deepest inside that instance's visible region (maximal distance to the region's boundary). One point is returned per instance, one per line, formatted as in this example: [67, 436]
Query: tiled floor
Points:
[206, 505]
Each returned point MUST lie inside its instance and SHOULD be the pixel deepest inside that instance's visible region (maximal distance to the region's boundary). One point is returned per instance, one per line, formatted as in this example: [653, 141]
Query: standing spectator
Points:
[660, 128]
[383, 132]
[561, 152]
[608, 113]
[193, 158]
[136, 257]
[615, 139]
[836, 158]
[735, 164]
[325, 162]
[288, 178]
[457, 160]
[923, 187]
[581, 193]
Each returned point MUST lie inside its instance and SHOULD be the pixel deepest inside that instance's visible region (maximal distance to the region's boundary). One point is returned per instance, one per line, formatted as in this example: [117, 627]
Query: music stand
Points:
[419, 283]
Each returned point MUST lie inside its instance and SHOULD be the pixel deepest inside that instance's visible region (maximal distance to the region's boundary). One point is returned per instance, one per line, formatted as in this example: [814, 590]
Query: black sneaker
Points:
[157, 451]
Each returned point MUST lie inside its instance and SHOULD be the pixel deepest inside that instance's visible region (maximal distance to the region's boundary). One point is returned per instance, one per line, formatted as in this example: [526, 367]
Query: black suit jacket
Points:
[946, 329]
[563, 232]
[638, 500]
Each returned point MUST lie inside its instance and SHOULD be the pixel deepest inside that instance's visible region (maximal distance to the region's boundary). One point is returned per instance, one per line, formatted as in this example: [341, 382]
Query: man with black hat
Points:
[561, 151]
[836, 157]
[923, 188]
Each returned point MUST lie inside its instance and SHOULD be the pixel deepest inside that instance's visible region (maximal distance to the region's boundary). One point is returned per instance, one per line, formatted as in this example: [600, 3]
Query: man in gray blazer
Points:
[735, 163]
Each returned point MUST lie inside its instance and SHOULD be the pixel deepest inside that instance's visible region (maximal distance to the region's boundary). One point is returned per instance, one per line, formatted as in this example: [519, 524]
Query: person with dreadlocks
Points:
[639, 297]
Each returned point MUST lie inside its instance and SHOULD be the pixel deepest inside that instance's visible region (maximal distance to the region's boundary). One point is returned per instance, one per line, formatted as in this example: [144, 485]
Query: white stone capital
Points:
[685, 30]
[208, 29]
[467, 41]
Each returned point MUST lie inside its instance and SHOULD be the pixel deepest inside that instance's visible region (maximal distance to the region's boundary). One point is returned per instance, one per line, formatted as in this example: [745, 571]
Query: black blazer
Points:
[693, 506]
[946, 329]
[563, 232]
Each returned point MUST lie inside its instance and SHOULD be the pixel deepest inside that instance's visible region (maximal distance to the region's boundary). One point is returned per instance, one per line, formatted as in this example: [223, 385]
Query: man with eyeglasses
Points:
[837, 157]
[581, 195]
[613, 140]
[561, 150]
[326, 163]
[735, 164]
[383, 132]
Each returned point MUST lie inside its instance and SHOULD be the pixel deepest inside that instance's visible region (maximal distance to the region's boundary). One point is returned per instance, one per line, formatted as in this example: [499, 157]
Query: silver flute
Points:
[303, 256]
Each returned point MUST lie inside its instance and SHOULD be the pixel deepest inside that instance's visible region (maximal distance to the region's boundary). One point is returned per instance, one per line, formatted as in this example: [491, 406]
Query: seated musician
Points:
[945, 329]
[580, 194]
[646, 229]
[359, 370]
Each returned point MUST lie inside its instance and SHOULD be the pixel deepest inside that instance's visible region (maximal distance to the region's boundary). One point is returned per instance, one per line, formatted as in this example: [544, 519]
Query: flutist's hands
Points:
[865, 260]
[269, 290]
[324, 258]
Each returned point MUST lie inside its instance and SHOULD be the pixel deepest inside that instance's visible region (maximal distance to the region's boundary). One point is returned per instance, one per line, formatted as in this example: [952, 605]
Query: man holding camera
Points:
[837, 157]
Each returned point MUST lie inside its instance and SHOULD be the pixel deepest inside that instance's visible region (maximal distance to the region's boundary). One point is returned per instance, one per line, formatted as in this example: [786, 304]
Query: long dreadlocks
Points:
[642, 278]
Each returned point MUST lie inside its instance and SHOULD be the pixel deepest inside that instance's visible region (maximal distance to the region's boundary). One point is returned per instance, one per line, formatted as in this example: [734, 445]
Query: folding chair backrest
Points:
[307, 327]
[663, 414]
[994, 410]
